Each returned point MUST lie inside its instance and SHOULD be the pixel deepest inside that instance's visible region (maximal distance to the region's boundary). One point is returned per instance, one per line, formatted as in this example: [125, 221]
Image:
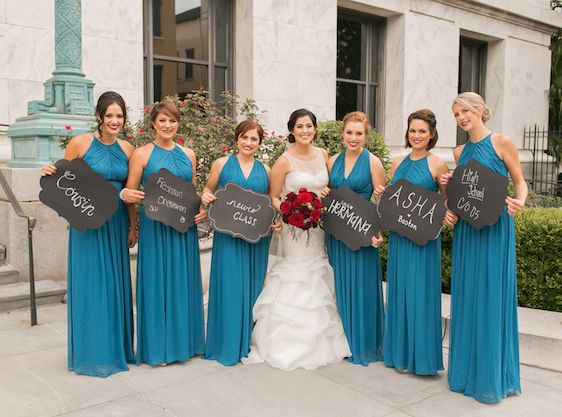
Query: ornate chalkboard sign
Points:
[171, 200]
[79, 194]
[412, 211]
[242, 213]
[350, 218]
[477, 194]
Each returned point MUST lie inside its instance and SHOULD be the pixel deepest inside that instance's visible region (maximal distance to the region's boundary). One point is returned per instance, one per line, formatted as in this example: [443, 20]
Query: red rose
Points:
[315, 215]
[317, 204]
[296, 219]
[286, 207]
[291, 196]
[304, 197]
[303, 190]
[305, 211]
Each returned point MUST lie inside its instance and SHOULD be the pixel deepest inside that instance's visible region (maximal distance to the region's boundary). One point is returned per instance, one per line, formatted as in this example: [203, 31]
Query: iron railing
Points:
[31, 221]
[546, 146]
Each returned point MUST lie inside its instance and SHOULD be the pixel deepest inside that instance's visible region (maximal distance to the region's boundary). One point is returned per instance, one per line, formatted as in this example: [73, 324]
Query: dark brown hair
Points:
[104, 101]
[246, 125]
[428, 117]
[297, 114]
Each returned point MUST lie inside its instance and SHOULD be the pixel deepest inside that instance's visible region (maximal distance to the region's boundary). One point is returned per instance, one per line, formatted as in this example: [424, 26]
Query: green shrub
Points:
[539, 264]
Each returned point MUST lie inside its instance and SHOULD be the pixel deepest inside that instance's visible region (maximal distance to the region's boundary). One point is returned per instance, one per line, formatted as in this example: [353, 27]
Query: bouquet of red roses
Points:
[303, 210]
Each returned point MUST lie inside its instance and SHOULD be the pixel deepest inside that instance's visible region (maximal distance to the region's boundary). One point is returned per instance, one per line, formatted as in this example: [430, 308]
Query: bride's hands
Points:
[376, 241]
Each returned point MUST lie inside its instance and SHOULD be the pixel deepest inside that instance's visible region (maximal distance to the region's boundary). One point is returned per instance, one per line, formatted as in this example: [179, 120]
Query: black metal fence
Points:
[546, 147]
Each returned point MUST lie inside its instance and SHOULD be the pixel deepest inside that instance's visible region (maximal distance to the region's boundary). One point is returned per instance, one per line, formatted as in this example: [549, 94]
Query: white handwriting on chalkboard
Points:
[465, 206]
[241, 217]
[408, 203]
[470, 178]
[345, 211]
[243, 207]
[163, 201]
[407, 222]
[169, 189]
[77, 200]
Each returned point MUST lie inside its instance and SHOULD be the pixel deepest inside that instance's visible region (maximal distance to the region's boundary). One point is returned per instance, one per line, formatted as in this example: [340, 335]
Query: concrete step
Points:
[8, 274]
[16, 296]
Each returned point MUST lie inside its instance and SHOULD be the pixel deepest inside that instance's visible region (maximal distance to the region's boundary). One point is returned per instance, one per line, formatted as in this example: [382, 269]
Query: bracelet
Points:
[121, 193]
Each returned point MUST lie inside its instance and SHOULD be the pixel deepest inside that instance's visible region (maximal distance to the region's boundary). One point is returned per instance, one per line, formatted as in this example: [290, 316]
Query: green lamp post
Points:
[68, 107]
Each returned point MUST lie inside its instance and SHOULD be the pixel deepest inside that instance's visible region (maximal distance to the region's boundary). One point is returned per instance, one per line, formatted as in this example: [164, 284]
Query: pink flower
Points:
[224, 149]
[180, 140]
[201, 87]
[141, 130]
[201, 129]
[147, 109]
[216, 121]
[130, 136]
[273, 133]
[280, 136]
[184, 103]
[68, 127]
[265, 133]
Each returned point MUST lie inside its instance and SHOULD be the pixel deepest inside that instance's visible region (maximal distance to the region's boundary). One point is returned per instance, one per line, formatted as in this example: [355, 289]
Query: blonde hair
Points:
[356, 116]
[475, 103]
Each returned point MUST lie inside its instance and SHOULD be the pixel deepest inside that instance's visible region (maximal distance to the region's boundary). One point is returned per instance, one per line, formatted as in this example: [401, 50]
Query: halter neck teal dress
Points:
[357, 274]
[238, 270]
[100, 314]
[413, 287]
[169, 291]
[484, 343]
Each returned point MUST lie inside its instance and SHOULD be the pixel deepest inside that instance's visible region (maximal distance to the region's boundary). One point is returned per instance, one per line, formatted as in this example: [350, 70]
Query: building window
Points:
[472, 72]
[189, 54]
[156, 22]
[195, 40]
[358, 65]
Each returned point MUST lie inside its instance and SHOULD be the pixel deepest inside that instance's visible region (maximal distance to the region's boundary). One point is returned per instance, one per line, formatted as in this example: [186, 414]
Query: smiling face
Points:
[112, 120]
[419, 135]
[248, 142]
[165, 126]
[304, 130]
[467, 119]
[354, 135]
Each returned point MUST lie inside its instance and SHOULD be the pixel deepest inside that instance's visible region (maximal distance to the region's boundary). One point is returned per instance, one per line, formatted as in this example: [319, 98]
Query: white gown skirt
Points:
[296, 319]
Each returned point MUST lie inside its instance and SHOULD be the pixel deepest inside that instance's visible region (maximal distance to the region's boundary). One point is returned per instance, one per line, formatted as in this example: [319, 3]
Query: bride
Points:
[297, 323]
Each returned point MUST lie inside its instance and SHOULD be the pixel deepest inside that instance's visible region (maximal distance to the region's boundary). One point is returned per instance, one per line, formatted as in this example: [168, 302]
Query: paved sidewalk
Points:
[34, 382]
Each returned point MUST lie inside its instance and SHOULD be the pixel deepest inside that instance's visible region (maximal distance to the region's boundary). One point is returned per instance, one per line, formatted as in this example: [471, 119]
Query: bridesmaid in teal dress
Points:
[357, 274]
[484, 344]
[238, 267]
[412, 340]
[169, 293]
[100, 314]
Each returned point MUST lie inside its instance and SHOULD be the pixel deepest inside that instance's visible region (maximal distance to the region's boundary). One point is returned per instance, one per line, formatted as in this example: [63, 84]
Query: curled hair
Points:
[475, 103]
[104, 101]
[429, 117]
[166, 106]
[357, 116]
[297, 114]
[246, 125]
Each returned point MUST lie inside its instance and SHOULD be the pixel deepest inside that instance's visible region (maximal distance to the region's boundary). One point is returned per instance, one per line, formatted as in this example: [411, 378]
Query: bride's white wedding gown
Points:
[297, 322]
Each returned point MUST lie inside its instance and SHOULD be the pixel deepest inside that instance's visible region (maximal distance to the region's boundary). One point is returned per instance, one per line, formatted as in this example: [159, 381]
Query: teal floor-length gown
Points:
[100, 315]
[484, 342]
[357, 274]
[169, 290]
[413, 316]
[238, 270]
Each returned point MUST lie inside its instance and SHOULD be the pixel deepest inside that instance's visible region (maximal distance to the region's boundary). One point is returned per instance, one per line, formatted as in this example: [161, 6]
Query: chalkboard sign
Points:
[79, 194]
[477, 194]
[350, 218]
[242, 213]
[171, 200]
[412, 211]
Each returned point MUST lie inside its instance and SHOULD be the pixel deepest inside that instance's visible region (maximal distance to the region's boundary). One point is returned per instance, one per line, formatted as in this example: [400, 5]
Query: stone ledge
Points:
[16, 296]
[9, 274]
